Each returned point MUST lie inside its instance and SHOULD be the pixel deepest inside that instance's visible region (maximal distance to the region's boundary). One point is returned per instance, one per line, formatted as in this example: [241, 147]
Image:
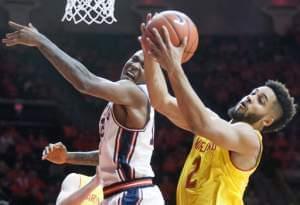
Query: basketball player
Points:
[224, 154]
[126, 125]
[76, 188]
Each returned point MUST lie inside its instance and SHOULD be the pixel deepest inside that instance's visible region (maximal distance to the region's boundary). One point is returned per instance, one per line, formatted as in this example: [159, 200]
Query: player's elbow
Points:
[156, 103]
[84, 86]
[83, 80]
[162, 106]
[79, 86]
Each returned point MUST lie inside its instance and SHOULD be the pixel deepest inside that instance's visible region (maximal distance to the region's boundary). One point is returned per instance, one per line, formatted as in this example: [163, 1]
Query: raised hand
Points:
[161, 48]
[55, 153]
[142, 38]
[23, 35]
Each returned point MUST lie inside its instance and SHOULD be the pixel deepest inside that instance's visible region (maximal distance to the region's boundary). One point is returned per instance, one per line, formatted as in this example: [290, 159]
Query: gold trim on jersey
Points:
[258, 159]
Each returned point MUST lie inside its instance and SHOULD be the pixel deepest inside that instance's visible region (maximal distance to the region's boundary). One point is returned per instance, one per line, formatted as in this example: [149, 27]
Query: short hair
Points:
[286, 103]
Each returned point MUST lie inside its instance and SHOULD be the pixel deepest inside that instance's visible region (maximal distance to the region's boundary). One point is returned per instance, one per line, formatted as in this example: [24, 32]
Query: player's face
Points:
[134, 68]
[255, 106]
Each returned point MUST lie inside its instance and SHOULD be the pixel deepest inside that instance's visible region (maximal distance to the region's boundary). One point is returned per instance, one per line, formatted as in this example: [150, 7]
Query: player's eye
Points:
[253, 92]
[261, 100]
[135, 59]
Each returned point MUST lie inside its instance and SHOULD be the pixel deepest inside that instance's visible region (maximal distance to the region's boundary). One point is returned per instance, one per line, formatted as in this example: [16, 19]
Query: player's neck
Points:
[258, 126]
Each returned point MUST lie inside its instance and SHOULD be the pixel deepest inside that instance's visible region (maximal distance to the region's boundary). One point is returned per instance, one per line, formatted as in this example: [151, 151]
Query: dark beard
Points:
[237, 116]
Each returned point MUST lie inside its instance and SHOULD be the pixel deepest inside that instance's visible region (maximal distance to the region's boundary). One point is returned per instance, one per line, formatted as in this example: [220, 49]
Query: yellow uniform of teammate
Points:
[210, 178]
[96, 197]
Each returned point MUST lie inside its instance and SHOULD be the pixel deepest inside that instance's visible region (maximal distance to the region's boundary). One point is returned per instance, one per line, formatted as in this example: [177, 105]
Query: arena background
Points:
[242, 44]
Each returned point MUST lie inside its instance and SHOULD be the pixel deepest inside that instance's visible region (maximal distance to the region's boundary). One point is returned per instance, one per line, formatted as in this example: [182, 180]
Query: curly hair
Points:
[286, 103]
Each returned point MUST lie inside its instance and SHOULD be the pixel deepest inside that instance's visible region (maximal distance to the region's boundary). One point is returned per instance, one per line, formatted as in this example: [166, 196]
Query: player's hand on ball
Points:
[142, 37]
[55, 153]
[162, 49]
[23, 35]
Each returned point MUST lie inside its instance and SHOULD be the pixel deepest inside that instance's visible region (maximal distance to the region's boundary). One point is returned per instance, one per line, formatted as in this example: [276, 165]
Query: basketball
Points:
[179, 25]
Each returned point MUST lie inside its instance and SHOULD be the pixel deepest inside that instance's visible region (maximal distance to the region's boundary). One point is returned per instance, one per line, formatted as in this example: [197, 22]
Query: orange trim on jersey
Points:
[123, 186]
[257, 160]
[132, 147]
[117, 143]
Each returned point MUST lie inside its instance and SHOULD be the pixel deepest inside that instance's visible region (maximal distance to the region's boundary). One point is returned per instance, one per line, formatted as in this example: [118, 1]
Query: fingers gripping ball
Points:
[179, 26]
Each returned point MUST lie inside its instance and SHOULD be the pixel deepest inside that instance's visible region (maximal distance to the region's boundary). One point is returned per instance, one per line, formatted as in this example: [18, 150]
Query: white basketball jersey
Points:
[125, 154]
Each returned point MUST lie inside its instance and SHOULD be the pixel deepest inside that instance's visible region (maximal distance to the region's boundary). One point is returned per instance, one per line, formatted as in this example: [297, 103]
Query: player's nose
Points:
[249, 99]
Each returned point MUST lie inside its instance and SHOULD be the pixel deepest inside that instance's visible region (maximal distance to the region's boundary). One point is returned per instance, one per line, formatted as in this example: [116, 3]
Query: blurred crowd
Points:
[224, 69]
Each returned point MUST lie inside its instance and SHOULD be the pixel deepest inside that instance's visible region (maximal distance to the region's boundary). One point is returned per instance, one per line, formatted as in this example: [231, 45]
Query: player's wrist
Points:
[69, 158]
[41, 41]
[173, 69]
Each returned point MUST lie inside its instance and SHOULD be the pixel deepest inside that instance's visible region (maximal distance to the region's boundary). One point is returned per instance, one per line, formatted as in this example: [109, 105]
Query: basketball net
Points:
[282, 17]
[90, 11]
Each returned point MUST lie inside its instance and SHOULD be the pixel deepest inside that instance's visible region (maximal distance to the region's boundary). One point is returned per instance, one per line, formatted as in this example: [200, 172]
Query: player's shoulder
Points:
[73, 175]
[132, 87]
[250, 136]
[212, 114]
[244, 129]
[243, 126]
[72, 179]
[125, 82]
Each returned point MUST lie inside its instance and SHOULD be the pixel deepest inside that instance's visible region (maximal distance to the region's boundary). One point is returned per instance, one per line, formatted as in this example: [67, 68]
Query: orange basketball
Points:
[179, 25]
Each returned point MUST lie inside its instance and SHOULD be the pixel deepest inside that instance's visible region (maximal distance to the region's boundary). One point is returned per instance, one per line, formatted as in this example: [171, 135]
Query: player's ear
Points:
[268, 121]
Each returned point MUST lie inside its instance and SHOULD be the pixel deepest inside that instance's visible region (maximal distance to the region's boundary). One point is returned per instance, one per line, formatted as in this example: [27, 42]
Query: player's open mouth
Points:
[130, 75]
[243, 105]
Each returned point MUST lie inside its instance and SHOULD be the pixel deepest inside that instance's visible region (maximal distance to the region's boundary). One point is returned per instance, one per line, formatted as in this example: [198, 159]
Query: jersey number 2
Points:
[189, 182]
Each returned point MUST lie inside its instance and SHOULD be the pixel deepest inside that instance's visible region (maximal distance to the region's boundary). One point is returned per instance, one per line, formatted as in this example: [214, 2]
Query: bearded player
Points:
[224, 154]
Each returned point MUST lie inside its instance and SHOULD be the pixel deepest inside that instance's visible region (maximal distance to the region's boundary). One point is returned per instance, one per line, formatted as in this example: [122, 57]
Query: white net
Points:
[90, 11]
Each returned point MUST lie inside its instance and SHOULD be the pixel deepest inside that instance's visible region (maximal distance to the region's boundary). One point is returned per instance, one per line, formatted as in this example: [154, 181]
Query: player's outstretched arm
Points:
[160, 97]
[239, 137]
[57, 153]
[72, 194]
[74, 71]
